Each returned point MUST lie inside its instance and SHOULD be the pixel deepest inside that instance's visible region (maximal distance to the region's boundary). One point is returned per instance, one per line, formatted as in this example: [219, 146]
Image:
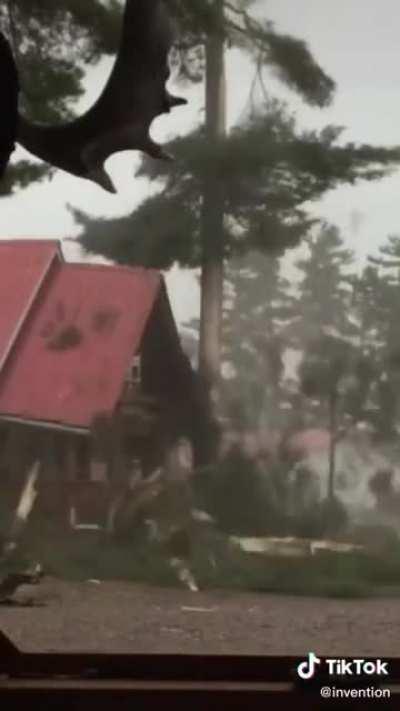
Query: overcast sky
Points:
[356, 42]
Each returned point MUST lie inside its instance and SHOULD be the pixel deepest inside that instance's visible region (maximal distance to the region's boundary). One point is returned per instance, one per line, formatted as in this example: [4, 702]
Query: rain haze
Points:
[355, 42]
[254, 460]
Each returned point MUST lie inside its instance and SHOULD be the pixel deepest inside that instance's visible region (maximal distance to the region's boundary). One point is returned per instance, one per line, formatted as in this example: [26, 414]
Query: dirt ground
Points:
[126, 617]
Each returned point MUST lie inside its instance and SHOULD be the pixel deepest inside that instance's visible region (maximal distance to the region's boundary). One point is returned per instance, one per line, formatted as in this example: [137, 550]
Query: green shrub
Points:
[241, 499]
[322, 520]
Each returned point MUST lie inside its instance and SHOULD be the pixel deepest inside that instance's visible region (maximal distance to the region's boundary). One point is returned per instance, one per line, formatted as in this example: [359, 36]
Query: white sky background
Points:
[355, 41]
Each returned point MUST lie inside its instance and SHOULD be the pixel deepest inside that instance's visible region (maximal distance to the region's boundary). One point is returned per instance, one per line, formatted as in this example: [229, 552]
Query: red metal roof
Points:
[74, 349]
[23, 265]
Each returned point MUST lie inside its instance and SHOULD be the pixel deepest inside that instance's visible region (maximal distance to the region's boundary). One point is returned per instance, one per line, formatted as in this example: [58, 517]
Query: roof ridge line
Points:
[115, 267]
[22, 320]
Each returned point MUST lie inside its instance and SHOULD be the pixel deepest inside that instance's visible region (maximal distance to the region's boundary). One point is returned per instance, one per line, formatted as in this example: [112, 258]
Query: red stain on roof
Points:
[74, 348]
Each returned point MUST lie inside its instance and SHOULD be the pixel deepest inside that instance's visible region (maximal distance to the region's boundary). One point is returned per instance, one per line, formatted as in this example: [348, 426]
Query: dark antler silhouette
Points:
[132, 98]
[9, 103]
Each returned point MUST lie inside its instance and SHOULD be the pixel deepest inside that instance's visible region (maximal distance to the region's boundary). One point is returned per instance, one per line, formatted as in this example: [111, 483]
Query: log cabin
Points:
[94, 383]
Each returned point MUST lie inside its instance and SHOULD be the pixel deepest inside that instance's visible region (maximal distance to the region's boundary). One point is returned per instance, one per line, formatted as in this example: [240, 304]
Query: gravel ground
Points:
[126, 617]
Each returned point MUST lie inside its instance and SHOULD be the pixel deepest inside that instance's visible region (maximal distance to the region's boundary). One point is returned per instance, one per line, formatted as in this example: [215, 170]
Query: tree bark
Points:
[212, 226]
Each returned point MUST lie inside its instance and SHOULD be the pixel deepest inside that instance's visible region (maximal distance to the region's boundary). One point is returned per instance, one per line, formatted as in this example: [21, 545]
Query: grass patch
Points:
[80, 556]
[216, 564]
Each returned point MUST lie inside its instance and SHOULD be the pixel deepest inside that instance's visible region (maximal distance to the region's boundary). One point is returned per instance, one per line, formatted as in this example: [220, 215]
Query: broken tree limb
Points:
[291, 546]
[134, 500]
[185, 576]
[23, 510]
[10, 584]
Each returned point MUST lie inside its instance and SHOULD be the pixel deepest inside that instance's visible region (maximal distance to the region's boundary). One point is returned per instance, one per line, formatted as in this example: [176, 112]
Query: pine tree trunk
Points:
[212, 223]
[332, 445]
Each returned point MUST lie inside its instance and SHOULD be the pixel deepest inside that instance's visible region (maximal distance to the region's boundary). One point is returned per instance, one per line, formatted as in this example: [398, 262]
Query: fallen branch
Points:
[291, 546]
[10, 584]
[23, 510]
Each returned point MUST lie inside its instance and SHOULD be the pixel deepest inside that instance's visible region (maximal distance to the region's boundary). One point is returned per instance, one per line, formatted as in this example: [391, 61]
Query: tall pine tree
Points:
[257, 309]
[325, 292]
[229, 193]
[383, 279]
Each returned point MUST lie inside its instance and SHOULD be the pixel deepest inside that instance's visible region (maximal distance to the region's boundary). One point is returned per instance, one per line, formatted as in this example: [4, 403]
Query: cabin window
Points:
[4, 441]
[80, 525]
[59, 453]
[135, 472]
[98, 471]
[4, 431]
[134, 376]
[83, 459]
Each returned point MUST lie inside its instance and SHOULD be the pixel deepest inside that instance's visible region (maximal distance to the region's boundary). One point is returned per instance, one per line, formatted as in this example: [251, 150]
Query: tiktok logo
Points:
[306, 669]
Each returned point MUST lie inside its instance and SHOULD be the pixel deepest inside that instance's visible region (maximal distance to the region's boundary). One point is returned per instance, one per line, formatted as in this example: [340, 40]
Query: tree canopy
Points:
[268, 169]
